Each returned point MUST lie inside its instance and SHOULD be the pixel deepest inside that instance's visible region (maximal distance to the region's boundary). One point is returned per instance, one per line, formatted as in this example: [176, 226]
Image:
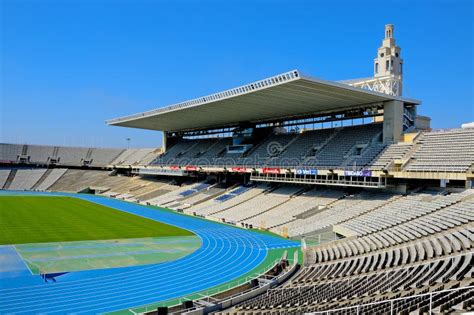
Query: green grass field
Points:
[33, 219]
[102, 254]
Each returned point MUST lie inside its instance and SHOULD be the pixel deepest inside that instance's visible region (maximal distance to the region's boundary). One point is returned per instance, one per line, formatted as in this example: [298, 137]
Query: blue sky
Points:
[67, 66]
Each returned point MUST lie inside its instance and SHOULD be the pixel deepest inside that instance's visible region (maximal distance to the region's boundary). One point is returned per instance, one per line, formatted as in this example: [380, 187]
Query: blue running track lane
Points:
[226, 254]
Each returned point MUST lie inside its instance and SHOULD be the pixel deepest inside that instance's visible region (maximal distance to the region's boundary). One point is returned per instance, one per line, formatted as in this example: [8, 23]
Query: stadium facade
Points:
[382, 205]
[262, 126]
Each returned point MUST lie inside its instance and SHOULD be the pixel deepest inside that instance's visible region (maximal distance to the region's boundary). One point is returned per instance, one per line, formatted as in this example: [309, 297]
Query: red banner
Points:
[239, 169]
[191, 168]
[271, 170]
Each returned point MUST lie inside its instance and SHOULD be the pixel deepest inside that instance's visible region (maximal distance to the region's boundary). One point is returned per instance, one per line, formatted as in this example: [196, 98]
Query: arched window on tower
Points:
[387, 65]
[376, 67]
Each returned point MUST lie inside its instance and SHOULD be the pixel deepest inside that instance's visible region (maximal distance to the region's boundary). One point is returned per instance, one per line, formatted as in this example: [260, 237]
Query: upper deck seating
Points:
[211, 153]
[346, 143]
[174, 152]
[343, 147]
[103, 157]
[306, 143]
[135, 157]
[445, 151]
[391, 153]
[270, 147]
[40, 153]
[10, 152]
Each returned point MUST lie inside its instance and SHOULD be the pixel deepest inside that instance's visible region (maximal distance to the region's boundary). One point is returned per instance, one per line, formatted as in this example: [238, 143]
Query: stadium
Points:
[287, 195]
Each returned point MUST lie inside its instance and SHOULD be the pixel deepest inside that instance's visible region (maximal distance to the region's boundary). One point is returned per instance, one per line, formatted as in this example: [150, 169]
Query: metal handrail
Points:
[208, 293]
[391, 301]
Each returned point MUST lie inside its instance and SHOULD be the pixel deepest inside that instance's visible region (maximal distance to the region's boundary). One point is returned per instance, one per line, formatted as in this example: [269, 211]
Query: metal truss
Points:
[390, 85]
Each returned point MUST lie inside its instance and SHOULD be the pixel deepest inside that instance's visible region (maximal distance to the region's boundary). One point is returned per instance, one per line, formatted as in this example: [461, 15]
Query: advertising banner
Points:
[271, 170]
[158, 171]
[239, 169]
[306, 172]
[363, 173]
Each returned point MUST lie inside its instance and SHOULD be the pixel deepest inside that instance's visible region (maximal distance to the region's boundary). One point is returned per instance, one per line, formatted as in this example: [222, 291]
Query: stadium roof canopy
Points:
[287, 95]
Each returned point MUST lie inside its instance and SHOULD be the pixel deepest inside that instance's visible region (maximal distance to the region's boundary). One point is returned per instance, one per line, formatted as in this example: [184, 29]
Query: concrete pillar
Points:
[392, 121]
[165, 140]
[469, 183]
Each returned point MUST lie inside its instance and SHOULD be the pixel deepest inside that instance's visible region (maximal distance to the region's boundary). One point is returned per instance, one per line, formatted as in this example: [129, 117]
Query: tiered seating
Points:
[196, 151]
[145, 156]
[419, 230]
[324, 148]
[270, 147]
[287, 211]
[231, 194]
[209, 156]
[156, 191]
[186, 152]
[26, 178]
[335, 153]
[78, 180]
[176, 195]
[448, 151]
[398, 212]
[124, 187]
[356, 147]
[10, 152]
[342, 210]
[51, 178]
[39, 153]
[341, 148]
[255, 206]
[237, 196]
[351, 283]
[193, 190]
[417, 257]
[392, 152]
[71, 156]
[301, 147]
[202, 195]
[103, 157]
[135, 157]
[367, 154]
[3, 177]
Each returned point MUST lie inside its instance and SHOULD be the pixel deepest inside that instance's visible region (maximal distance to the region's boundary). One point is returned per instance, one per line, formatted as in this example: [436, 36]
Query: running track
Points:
[226, 254]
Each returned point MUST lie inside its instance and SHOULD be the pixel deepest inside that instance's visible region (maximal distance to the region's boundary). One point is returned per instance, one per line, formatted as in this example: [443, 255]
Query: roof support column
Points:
[165, 141]
[392, 121]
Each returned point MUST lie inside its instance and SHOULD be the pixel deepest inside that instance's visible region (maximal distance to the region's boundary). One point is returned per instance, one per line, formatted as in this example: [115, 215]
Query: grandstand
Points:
[382, 205]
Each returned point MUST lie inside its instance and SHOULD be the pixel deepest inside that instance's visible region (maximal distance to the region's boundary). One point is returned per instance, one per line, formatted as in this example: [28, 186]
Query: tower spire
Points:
[388, 31]
[388, 61]
[388, 67]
